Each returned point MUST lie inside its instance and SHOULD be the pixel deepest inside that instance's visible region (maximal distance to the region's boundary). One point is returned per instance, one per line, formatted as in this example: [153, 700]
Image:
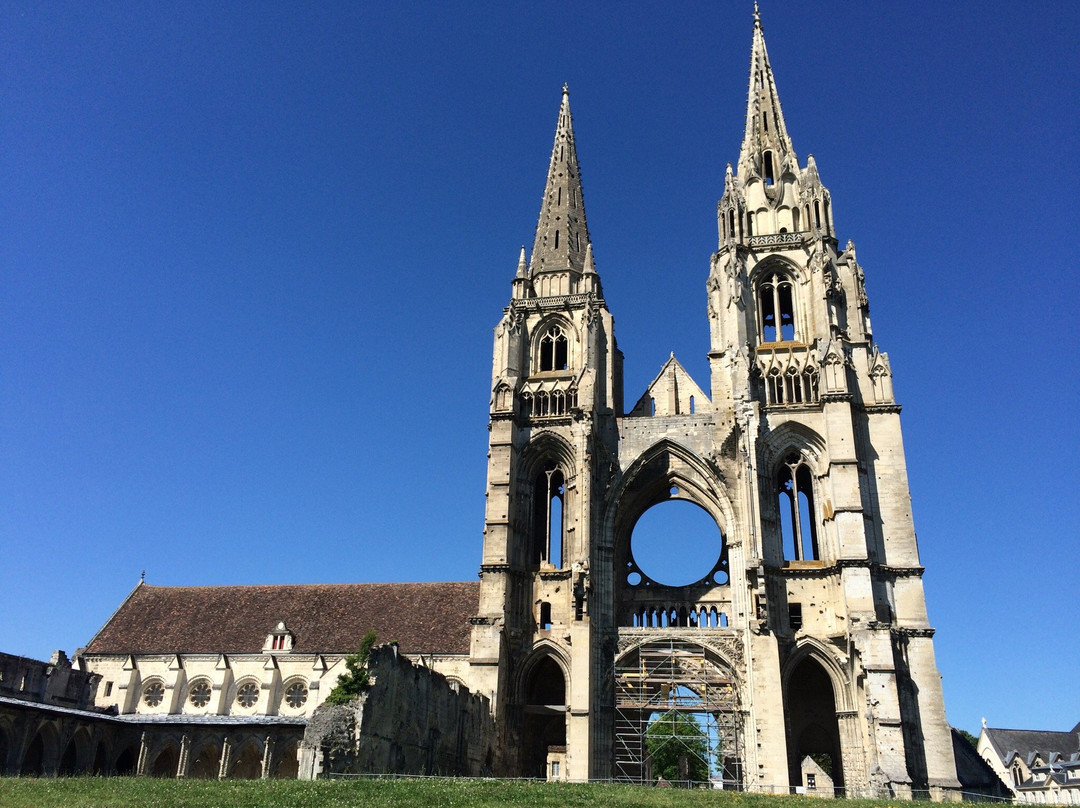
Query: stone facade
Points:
[808, 634]
[49, 726]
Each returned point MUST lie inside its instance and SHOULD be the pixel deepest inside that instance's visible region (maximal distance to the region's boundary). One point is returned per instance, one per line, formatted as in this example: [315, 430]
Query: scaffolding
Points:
[675, 676]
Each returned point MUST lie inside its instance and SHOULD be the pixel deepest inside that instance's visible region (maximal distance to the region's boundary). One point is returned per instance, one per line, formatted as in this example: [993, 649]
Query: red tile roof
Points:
[324, 618]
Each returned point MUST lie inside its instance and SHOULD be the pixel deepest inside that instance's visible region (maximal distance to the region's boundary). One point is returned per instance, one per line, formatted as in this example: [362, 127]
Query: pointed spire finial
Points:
[765, 144]
[562, 234]
[590, 266]
[521, 263]
[565, 89]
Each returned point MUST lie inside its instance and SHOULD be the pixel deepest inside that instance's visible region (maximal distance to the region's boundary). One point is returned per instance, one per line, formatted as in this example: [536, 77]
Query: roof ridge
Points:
[297, 586]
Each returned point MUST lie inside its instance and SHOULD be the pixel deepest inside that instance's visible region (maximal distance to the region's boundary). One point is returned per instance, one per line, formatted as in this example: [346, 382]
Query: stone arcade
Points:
[803, 651]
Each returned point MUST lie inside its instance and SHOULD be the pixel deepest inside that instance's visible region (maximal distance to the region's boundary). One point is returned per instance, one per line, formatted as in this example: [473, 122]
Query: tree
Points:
[967, 736]
[677, 747]
[355, 681]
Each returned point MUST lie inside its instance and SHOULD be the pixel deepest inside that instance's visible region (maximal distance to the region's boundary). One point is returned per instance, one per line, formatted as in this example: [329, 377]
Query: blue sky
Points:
[252, 254]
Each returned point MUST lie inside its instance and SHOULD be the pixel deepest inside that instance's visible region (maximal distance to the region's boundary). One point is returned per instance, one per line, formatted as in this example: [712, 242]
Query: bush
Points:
[356, 679]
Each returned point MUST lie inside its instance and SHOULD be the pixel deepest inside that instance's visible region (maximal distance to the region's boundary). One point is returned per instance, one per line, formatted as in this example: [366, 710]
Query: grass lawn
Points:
[122, 792]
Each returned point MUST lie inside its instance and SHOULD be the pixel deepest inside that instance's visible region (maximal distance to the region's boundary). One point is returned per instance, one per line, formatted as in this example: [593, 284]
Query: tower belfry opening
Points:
[810, 600]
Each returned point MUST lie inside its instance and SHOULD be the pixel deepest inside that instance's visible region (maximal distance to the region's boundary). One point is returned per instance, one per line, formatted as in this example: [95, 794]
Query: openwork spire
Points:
[766, 144]
[562, 236]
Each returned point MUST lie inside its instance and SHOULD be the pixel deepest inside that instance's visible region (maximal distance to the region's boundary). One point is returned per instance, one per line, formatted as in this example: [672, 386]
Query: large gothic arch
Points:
[542, 687]
[821, 713]
[659, 675]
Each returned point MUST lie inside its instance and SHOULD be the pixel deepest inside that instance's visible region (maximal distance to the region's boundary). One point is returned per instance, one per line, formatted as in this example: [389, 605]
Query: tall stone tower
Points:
[803, 650]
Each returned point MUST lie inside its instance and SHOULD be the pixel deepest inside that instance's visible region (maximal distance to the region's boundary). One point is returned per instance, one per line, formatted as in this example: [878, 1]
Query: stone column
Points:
[184, 764]
[268, 757]
[226, 758]
[851, 751]
[144, 754]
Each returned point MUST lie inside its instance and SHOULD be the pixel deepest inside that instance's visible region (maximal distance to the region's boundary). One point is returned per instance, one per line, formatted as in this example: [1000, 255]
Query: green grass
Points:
[122, 792]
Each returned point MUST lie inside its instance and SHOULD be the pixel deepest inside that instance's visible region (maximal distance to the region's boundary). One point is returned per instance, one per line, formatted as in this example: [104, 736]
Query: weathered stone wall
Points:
[412, 721]
[52, 682]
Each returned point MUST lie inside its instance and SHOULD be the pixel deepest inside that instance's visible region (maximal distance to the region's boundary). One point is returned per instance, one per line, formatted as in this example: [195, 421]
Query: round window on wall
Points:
[153, 694]
[247, 694]
[296, 695]
[200, 695]
[676, 543]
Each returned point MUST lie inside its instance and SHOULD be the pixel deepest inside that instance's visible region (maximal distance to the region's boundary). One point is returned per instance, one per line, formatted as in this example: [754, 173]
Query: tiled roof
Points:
[323, 618]
[1028, 741]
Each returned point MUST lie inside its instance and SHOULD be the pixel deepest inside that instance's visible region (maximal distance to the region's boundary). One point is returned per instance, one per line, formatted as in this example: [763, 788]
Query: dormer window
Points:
[280, 639]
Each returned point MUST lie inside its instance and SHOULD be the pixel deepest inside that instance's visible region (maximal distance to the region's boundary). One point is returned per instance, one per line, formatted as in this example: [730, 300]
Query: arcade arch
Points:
[543, 691]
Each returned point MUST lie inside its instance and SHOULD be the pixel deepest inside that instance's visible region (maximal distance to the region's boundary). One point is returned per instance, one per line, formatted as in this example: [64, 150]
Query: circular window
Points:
[296, 695]
[676, 543]
[247, 694]
[200, 695]
[153, 694]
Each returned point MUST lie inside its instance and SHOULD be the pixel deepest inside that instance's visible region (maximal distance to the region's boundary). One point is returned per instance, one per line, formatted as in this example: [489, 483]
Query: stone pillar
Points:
[144, 754]
[226, 758]
[184, 764]
[268, 757]
[851, 752]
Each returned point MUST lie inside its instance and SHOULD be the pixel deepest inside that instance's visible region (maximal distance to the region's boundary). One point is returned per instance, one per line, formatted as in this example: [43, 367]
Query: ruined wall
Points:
[411, 721]
[52, 682]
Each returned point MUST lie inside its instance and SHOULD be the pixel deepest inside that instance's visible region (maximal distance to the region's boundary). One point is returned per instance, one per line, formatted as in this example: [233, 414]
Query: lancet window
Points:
[554, 353]
[541, 403]
[798, 519]
[776, 309]
[549, 491]
[791, 387]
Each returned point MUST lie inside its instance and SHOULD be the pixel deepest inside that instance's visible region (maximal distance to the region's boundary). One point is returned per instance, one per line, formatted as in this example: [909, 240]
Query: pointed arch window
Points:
[549, 493]
[767, 167]
[798, 519]
[776, 309]
[554, 350]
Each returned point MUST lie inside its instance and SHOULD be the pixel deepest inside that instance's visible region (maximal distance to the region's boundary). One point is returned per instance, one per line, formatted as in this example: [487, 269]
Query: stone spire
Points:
[562, 236]
[766, 134]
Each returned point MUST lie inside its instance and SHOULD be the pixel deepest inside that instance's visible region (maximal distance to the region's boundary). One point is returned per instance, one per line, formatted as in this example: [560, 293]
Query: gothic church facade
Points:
[808, 636]
[802, 650]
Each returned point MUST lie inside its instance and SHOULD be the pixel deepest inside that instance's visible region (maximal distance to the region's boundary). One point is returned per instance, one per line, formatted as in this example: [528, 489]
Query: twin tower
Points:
[803, 653]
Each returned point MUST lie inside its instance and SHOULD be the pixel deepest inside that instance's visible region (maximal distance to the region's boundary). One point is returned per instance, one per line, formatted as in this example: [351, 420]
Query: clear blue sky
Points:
[252, 255]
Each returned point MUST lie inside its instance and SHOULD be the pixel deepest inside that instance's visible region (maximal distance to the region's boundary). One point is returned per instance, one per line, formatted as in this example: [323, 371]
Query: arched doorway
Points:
[812, 727]
[206, 763]
[41, 754]
[100, 756]
[544, 725]
[677, 715]
[34, 758]
[69, 763]
[248, 765]
[165, 764]
[288, 767]
[126, 761]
